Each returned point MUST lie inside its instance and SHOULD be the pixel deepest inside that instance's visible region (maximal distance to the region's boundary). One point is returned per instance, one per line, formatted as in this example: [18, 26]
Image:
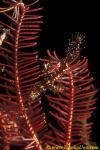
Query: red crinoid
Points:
[73, 100]
[27, 116]
[19, 68]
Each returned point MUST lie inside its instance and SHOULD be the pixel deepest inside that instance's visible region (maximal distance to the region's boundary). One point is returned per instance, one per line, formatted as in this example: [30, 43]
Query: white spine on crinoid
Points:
[3, 35]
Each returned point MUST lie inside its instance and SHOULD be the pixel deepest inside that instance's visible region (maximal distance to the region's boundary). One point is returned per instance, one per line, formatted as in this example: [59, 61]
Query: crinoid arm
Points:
[72, 96]
[19, 72]
[75, 103]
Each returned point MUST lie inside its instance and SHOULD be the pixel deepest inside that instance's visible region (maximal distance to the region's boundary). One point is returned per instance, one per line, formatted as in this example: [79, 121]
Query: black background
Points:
[61, 20]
